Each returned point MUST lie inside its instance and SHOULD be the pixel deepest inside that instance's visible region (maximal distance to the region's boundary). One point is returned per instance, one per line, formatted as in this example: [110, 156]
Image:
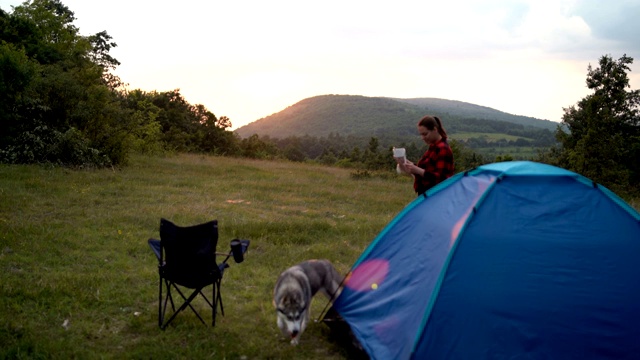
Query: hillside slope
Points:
[463, 110]
[378, 116]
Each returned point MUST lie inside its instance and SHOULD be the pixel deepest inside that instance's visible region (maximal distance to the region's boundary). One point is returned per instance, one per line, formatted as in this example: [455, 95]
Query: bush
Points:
[46, 145]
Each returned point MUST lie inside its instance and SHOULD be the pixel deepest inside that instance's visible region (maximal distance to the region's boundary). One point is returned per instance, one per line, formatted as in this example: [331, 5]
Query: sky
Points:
[248, 59]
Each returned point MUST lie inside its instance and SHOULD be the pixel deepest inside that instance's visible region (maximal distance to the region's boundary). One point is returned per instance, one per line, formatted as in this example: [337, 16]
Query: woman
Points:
[436, 165]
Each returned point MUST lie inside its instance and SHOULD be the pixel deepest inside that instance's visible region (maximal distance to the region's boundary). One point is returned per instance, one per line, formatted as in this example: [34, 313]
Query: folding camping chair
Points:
[187, 258]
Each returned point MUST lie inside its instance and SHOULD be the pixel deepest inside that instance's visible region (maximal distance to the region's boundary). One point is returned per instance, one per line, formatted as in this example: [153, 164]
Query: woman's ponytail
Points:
[441, 130]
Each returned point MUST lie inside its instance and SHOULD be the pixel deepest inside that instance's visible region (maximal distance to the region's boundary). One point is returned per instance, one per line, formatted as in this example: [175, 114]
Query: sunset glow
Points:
[250, 59]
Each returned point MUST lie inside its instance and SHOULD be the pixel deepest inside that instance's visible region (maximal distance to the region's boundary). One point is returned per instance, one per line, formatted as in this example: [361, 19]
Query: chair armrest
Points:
[156, 247]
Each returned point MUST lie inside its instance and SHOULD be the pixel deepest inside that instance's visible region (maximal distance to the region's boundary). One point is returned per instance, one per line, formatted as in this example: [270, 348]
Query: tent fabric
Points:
[509, 260]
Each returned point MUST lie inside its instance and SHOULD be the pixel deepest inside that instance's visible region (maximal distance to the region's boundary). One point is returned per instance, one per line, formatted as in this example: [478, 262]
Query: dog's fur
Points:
[294, 290]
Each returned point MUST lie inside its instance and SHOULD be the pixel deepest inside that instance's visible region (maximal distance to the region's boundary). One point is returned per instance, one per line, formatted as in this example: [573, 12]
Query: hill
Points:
[386, 117]
[460, 109]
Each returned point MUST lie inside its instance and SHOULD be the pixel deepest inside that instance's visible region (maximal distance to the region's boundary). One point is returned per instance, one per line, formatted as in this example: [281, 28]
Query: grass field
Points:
[78, 279]
[491, 152]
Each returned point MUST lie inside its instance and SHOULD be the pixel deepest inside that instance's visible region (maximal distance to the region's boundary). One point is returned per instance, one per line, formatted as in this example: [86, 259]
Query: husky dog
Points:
[294, 290]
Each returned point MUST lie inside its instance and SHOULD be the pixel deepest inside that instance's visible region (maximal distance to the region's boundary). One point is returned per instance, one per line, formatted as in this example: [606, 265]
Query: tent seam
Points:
[397, 218]
[386, 229]
[434, 294]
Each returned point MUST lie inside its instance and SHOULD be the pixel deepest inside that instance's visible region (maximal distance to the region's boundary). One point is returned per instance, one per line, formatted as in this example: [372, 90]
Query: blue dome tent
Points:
[509, 260]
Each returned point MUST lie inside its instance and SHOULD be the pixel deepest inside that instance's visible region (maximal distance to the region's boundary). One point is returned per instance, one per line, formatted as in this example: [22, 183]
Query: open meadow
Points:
[78, 280]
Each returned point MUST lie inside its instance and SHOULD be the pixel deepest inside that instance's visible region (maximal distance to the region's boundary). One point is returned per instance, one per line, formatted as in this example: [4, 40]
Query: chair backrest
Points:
[189, 252]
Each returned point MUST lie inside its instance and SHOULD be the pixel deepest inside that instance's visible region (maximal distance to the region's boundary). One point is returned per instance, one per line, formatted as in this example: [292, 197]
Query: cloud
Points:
[617, 24]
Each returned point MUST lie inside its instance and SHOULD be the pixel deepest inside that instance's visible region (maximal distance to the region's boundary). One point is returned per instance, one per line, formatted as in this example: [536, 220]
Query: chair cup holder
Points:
[236, 250]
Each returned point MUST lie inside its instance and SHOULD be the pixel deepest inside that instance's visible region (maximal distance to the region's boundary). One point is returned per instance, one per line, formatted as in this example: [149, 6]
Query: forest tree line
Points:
[61, 103]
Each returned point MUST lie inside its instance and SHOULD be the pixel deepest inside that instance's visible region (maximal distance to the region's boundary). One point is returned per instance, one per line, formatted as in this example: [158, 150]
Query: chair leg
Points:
[206, 299]
[191, 297]
[219, 299]
[187, 302]
[162, 310]
[168, 299]
[214, 307]
[160, 313]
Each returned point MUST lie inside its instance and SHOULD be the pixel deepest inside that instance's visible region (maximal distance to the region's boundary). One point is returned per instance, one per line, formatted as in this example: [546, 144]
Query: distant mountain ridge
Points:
[363, 116]
[467, 110]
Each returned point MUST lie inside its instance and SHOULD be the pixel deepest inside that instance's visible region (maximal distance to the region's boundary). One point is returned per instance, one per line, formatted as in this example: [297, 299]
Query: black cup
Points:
[236, 250]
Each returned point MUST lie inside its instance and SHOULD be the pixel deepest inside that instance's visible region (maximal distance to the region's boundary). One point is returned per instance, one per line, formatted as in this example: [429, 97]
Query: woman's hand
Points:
[406, 167]
[411, 168]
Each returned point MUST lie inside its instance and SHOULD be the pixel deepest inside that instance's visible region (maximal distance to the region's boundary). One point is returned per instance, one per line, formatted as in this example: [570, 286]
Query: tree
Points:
[101, 45]
[213, 135]
[293, 150]
[464, 158]
[254, 147]
[376, 160]
[178, 119]
[16, 76]
[144, 131]
[60, 108]
[600, 136]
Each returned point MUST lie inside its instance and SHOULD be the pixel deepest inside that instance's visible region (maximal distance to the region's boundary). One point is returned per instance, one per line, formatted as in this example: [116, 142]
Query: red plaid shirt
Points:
[438, 164]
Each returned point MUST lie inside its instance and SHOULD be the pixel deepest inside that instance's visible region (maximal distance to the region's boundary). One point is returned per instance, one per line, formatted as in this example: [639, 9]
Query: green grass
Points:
[73, 248]
[491, 152]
